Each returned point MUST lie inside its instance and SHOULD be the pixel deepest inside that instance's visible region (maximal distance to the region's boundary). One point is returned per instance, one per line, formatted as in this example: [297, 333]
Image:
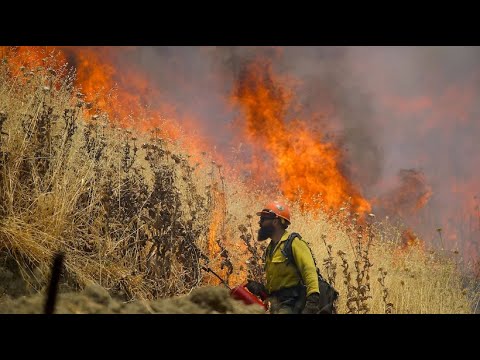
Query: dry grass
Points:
[78, 183]
[378, 273]
[135, 213]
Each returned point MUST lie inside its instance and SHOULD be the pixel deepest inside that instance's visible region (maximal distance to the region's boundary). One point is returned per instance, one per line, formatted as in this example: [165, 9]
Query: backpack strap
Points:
[328, 293]
[287, 248]
[288, 253]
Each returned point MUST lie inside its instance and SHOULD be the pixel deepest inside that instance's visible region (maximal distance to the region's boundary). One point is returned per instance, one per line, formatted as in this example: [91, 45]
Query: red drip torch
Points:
[239, 292]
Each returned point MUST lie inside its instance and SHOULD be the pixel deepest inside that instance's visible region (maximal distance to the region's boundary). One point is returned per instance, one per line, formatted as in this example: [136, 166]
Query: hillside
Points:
[138, 213]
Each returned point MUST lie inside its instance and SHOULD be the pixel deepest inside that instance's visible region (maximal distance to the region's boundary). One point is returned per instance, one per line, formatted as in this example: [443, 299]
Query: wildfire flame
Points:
[302, 163]
[218, 218]
[411, 195]
[123, 94]
[288, 152]
[409, 239]
[97, 76]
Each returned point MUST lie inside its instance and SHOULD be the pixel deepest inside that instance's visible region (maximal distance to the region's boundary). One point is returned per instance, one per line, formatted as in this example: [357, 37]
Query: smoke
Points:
[408, 197]
[401, 116]
[425, 102]
[190, 87]
[337, 103]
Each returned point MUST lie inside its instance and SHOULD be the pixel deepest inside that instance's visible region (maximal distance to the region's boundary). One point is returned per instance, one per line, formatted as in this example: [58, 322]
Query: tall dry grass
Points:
[136, 213]
[123, 206]
[375, 271]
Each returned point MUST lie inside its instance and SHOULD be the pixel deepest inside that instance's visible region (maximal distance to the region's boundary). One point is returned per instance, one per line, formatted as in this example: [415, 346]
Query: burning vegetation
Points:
[304, 166]
[410, 196]
[140, 213]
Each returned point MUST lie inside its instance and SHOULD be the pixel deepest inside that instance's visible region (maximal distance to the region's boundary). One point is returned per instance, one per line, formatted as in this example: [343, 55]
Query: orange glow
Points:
[216, 232]
[31, 56]
[410, 239]
[288, 153]
[447, 113]
[408, 106]
[409, 197]
[217, 220]
[301, 162]
[123, 94]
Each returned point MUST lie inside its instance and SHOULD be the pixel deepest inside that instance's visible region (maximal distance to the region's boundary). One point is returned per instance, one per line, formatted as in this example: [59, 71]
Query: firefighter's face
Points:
[267, 228]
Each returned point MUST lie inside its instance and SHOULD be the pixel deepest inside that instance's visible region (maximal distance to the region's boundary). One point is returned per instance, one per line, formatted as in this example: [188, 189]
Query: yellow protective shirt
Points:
[279, 275]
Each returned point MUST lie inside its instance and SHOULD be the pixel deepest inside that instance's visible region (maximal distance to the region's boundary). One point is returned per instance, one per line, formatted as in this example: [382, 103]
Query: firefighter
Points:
[288, 290]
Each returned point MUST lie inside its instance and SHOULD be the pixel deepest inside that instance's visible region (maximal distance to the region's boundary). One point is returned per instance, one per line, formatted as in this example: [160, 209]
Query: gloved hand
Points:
[312, 304]
[257, 289]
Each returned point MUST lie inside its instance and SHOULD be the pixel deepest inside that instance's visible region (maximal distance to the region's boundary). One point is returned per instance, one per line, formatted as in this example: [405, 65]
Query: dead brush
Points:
[351, 296]
[137, 219]
[217, 200]
[359, 286]
[94, 140]
[3, 117]
[388, 305]
[124, 225]
[255, 251]
[186, 221]
[3, 161]
[328, 262]
[129, 154]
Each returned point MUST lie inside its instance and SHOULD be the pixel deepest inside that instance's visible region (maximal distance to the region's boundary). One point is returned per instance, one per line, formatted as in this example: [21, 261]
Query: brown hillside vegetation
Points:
[137, 216]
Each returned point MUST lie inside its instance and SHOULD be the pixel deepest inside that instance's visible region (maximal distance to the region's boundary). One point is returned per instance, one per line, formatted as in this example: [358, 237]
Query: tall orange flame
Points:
[288, 152]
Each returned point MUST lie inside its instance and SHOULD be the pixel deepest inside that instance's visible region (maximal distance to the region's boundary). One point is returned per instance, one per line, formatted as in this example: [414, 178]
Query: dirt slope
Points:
[96, 300]
[17, 297]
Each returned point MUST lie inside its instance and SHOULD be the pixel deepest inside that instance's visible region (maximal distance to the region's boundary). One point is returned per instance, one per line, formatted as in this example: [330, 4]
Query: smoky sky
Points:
[389, 109]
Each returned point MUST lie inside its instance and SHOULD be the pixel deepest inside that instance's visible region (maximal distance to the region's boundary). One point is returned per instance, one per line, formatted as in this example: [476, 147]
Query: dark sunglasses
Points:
[263, 218]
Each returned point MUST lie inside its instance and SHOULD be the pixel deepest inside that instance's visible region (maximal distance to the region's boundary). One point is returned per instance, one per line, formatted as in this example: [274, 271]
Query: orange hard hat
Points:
[277, 209]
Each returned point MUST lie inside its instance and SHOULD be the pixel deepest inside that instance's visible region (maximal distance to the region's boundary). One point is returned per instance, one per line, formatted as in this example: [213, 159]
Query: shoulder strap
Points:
[323, 285]
[287, 248]
[288, 253]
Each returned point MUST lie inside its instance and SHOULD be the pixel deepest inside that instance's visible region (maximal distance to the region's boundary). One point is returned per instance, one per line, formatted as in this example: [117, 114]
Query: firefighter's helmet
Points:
[276, 209]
